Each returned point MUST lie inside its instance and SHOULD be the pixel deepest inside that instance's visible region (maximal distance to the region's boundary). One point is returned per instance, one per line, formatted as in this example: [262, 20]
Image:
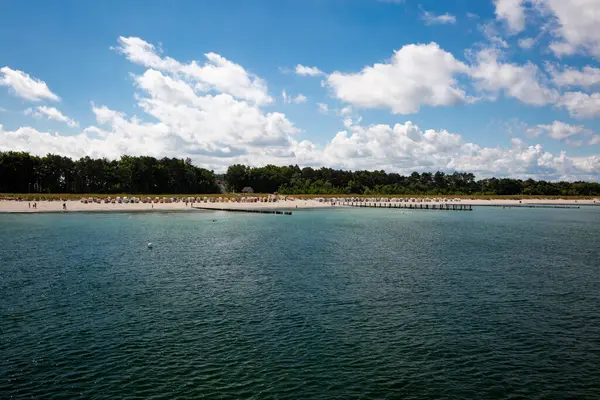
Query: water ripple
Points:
[337, 305]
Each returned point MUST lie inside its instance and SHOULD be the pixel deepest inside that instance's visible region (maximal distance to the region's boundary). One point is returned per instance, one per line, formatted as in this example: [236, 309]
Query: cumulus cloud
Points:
[522, 82]
[415, 76]
[573, 23]
[180, 117]
[300, 98]
[323, 108]
[400, 148]
[433, 19]
[346, 110]
[217, 73]
[308, 71]
[586, 77]
[558, 130]
[405, 147]
[527, 43]
[576, 26]
[512, 12]
[491, 34]
[581, 105]
[25, 86]
[51, 113]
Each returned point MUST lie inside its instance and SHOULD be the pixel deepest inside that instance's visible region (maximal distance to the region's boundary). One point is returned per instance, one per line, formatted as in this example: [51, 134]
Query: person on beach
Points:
[64, 206]
[29, 204]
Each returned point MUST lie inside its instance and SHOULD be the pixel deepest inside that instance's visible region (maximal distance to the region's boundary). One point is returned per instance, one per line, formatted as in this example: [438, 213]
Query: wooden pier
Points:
[412, 206]
[245, 210]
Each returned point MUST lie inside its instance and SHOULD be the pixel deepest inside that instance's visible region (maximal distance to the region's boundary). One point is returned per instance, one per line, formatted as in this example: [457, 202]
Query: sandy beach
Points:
[13, 206]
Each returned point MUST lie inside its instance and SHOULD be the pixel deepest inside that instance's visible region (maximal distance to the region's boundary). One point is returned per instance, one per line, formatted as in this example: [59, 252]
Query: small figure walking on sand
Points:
[64, 206]
[29, 205]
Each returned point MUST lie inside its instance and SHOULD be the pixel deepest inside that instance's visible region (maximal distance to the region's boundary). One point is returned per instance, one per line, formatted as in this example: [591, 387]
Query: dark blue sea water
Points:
[332, 304]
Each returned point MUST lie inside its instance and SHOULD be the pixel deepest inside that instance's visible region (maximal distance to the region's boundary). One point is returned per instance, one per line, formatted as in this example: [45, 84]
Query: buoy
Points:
[149, 245]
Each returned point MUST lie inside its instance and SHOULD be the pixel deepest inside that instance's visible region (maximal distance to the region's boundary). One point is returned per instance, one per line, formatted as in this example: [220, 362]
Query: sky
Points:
[505, 88]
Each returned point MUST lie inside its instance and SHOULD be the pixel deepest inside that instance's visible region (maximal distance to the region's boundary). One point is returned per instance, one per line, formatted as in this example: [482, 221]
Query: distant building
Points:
[247, 189]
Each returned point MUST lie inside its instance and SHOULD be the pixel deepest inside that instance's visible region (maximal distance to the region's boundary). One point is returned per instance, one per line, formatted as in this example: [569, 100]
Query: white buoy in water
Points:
[149, 245]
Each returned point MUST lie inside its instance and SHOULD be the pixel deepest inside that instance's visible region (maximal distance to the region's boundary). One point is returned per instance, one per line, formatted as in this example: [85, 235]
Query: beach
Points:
[15, 206]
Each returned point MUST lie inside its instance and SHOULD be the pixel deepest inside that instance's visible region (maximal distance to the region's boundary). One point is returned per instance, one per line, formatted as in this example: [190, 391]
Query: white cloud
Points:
[323, 108]
[300, 98]
[308, 71]
[189, 120]
[519, 81]
[573, 23]
[400, 148]
[581, 105]
[432, 19]
[51, 113]
[416, 75]
[216, 129]
[471, 15]
[216, 74]
[527, 43]
[346, 110]
[558, 130]
[512, 12]
[586, 77]
[405, 148]
[340, 112]
[490, 32]
[24, 86]
[576, 26]
[594, 140]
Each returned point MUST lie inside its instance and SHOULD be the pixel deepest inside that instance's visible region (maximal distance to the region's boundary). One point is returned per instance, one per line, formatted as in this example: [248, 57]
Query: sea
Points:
[323, 304]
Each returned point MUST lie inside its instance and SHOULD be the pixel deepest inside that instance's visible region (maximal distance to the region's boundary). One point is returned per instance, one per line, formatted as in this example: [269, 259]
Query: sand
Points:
[9, 206]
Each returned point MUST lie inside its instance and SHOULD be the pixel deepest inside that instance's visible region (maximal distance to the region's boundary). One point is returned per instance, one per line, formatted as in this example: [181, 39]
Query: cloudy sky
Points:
[494, 87]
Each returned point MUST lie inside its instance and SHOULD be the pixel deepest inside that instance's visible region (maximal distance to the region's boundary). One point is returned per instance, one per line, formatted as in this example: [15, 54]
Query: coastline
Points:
[26, 207]
[23, 207]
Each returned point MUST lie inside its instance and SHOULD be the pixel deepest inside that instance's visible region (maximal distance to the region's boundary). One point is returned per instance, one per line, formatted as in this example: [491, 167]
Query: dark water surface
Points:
[335, 304]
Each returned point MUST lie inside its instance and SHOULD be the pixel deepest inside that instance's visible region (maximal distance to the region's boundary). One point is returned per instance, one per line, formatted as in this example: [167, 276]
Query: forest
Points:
[25, 173]
[295, 180]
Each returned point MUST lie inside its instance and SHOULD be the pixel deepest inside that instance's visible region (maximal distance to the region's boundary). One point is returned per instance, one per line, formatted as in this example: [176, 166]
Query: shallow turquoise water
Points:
[335, 304]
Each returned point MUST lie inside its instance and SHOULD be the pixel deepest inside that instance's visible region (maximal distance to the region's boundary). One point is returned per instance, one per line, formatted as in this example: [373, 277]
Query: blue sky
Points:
[497, 87]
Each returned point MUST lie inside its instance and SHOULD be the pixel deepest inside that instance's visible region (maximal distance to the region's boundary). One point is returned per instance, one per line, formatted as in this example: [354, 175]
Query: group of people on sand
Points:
[35, 206]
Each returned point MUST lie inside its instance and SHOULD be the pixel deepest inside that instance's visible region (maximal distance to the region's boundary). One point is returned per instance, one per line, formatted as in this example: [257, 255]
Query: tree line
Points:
[24, 173]
[296, 180]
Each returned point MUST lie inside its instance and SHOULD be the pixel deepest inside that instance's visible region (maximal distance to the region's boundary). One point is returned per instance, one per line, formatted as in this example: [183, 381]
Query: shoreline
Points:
[26, 207]
[23, 207]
